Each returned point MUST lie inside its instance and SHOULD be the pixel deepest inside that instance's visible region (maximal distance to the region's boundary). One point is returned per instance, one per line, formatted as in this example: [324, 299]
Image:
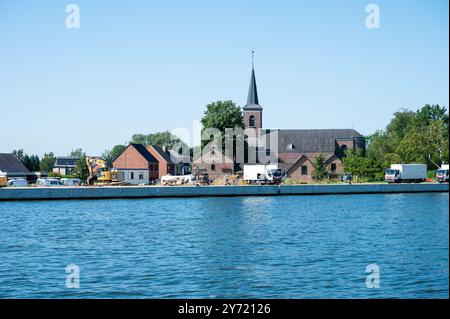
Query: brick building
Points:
[138, 165]
[297, 148]
[142, 164]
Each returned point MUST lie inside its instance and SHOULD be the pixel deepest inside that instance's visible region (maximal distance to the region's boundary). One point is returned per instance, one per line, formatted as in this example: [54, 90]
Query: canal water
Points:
[241, 247]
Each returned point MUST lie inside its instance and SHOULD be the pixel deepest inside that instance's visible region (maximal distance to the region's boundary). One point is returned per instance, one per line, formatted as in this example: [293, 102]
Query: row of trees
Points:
[46, 163]
[410, 137]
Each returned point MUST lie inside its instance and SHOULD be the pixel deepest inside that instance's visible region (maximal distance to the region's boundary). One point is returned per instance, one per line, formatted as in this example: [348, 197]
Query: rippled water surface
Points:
[249, 247]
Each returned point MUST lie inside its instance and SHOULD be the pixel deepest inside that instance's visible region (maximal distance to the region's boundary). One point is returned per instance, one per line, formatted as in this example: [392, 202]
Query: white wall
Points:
[136, 178]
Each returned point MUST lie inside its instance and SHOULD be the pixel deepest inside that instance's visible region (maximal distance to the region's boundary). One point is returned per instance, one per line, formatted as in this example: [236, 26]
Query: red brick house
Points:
[138, 165]
[166, 164]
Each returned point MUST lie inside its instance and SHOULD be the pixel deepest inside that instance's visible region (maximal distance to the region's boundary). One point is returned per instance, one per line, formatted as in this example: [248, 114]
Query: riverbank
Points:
[54, 193]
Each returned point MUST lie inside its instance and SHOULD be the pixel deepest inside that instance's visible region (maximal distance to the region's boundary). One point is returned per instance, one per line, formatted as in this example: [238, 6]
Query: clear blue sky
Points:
[148, 66]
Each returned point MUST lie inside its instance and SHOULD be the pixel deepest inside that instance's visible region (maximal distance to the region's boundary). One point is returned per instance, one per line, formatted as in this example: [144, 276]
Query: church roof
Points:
[252, 98]
[319, 140]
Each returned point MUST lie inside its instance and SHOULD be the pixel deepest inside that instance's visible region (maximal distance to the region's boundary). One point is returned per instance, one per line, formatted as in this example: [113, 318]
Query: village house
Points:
[138, 165]
[170, 163]
[13, 168]
[142, 164]
[296, 149]
[64, 165]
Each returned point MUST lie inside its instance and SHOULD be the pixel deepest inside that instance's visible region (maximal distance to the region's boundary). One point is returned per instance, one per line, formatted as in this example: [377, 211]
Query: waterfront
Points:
[239, 247]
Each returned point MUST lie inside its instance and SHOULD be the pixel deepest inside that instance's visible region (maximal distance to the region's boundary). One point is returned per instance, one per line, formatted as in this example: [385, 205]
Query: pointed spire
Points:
[252, 99]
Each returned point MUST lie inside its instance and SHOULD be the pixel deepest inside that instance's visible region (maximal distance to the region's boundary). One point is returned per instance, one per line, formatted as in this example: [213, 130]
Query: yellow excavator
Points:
[3, 179]
[100, 173]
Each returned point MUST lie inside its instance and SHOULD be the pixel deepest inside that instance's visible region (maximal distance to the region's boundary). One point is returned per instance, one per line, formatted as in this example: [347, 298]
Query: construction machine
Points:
[3, 179]
[100, 173]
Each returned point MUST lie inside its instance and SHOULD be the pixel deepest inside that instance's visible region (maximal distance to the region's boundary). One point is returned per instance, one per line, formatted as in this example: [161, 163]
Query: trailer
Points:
[442, 174]
[263, 174]
[406, 173]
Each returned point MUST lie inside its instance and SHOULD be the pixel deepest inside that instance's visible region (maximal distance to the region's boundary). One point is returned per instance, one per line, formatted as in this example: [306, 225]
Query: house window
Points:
[141, 176]
[333, 167]
[304, 170]
[267, 151]
[151, 167]
[291, 147]
[156, 167]
[251, 121]
[213, 167]
[132, 175]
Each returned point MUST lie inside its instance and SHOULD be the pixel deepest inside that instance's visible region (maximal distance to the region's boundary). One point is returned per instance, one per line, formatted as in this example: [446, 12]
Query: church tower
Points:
[253, 111]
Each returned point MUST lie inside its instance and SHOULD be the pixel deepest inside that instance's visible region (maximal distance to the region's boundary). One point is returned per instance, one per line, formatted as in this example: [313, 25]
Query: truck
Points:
[406, 173]
[442, 174]
[263, 174]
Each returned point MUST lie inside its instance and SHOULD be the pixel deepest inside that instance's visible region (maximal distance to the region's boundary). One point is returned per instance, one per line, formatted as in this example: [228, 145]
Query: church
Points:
[296, 149]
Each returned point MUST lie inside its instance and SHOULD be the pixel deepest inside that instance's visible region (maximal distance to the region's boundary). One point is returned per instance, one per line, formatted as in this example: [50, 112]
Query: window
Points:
[213, 167]
[291, 147]
[251, 121]
[156, 167]
[132, 175]
[151, 167]
[267, 151]
[304, 170]
[141, 176]
[333, 167]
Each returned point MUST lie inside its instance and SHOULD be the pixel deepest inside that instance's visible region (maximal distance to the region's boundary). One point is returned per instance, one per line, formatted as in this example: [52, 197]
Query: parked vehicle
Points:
[347, 178]
[3, 179]
[200, 177]
[260, 173]
[18, 182]
[442, 174]
[71, 181]
[49, 182]
[406, 173]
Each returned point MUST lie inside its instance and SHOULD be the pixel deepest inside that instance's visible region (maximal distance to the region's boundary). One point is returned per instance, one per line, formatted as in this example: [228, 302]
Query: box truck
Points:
[442, 174]
[406, 173]
[260, 173]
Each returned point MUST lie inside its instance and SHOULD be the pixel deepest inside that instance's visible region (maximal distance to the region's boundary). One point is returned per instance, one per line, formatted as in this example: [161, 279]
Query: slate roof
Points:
[252, 99]
[320, 140]
[144, 152]
[66, 161]
[162, 153]
[11, 164]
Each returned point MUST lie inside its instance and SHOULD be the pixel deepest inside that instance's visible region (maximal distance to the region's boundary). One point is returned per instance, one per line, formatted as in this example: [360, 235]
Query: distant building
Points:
[138, 165]
[214, 162]
[64, 165]
[296, 149]
[14, 168]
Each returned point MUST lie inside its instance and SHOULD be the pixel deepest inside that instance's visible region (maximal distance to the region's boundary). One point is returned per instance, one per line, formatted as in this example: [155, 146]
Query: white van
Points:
[71, 181]
[51, 182]
[18, 182]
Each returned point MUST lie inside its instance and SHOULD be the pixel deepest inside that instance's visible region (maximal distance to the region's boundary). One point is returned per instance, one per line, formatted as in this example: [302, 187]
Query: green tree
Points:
[110, 155]
[222, 115]
[81, 170]
[363, 168]
[31, 162]
[163, 139]
[320, 171]
[47, 162]
[78, 153]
